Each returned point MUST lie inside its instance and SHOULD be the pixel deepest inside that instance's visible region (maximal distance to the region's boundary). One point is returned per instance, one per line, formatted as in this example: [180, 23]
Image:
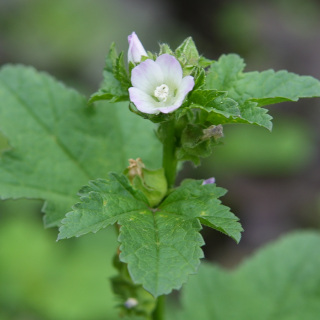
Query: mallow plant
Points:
[113, 160]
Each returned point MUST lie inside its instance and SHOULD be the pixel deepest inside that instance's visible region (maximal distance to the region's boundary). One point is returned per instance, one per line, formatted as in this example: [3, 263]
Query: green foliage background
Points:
[40, 279]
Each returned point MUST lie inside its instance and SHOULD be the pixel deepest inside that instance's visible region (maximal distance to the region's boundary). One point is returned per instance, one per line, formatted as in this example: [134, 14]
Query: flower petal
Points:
[147, 76]
[168, 109]
[171, 69]
[209, 181]
[143, 101]
[185, 87]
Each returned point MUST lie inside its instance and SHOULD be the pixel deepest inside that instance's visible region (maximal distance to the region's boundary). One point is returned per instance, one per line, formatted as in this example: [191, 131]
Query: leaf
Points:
[103, 201]
[161, 249]
[264, 88]
[194, 200]
[280, 282]
[114, 87]
[194, 144]
[59, 144]
[161, 246]
[187, 53]
[216, 102]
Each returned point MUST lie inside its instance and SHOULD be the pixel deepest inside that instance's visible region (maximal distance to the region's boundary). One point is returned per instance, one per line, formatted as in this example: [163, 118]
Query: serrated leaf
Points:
[216, 102]
[58, 143]
[187, 53]
[161, 249]
[269, 87]
[103, 201]
[161, 246]
[280, 282]
[114, 87]
[120, 72]
[264, 88]
[194, 200]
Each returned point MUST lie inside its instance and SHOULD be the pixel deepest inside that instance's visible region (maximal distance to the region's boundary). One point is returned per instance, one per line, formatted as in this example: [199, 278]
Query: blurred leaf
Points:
[280, 282]
[253, 89]
[254, 151]
[59, 144]
[42, 279]
[265, 87]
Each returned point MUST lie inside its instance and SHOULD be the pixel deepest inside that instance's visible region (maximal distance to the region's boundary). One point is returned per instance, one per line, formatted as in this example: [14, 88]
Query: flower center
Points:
[162, 92]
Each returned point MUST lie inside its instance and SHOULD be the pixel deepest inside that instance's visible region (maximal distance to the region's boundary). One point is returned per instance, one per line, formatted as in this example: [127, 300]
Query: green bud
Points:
[152, 183]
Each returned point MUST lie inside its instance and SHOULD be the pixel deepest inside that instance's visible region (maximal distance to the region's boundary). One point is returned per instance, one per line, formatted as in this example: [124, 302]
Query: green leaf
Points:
[103, 201]
[187, 53]
[116, 82]
[195, 144]
[280, 282]
[253, 89]
[214, 101]
[194, 200]
[161, 249]
[164, 48]
[161, 246]
[59, 143]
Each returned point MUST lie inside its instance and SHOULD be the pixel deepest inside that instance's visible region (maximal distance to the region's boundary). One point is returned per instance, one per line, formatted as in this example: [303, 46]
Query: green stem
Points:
[158, 313]
[169, 161]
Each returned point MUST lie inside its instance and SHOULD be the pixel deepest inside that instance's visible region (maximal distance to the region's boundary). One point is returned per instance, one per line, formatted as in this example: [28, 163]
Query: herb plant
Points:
[122, 149]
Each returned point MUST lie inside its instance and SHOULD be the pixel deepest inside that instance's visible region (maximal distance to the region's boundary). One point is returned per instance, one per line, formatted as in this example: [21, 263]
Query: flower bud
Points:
[136, 49]
[152, 183]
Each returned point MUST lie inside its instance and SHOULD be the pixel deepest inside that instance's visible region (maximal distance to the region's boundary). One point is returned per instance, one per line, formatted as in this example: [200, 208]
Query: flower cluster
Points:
[157, 86]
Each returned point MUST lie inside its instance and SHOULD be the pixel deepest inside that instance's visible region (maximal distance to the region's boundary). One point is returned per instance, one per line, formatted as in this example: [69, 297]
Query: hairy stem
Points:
[169, 161]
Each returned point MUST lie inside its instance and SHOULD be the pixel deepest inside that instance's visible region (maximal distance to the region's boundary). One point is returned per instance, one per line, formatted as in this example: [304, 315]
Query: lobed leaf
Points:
[162, 246]
[194, 200]
[59, 143]
[253, 90]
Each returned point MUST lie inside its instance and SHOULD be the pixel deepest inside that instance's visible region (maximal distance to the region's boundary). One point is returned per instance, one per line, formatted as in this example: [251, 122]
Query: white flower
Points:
[158, 86]
[136, 49]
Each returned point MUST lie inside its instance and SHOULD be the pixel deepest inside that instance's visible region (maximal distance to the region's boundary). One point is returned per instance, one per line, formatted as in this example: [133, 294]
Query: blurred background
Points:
[273, 179]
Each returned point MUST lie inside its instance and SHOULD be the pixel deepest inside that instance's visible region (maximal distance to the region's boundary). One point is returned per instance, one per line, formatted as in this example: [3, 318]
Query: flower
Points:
[158, 86]
[136, 49]
[209, 181]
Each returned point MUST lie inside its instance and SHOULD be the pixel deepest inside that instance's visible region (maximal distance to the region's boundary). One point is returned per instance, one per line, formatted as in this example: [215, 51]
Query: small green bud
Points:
[152, 183]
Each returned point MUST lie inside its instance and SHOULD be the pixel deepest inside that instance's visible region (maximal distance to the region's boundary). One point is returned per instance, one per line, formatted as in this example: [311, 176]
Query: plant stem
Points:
[158, 313]
[169, 161]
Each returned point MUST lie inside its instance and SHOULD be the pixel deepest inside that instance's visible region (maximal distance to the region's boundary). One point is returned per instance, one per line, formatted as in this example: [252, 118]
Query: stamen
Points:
[162, 92]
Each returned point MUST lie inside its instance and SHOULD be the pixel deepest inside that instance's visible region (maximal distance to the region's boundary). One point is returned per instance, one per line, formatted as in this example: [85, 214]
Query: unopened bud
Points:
[136, 49]
[135, 168]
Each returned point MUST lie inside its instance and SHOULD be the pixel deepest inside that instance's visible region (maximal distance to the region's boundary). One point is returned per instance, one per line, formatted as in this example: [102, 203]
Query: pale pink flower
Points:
[209, 181]
[136, 49]
[159, 86]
